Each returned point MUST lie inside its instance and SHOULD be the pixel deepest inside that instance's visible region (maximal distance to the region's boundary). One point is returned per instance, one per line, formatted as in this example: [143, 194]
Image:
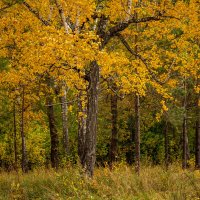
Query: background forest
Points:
[99, 82]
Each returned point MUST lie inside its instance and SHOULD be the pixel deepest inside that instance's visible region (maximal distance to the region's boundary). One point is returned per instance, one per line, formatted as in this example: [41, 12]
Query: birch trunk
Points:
[129, 5]
[63, 100]
[62, 15]
[81, 126]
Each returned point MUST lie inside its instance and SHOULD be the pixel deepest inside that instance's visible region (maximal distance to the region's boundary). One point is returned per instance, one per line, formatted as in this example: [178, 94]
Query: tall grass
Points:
[154, 183]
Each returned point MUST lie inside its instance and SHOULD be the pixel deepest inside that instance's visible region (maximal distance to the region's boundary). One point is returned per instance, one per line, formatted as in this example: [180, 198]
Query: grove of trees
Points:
[94, 82]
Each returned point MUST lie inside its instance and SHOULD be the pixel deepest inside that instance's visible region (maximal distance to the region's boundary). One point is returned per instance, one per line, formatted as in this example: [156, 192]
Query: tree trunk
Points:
[91, 122]
[63, 100]
[81, 126]
[114, 137]
[137, 112]
[166, 144]
[53, 133]
[197, 149]
[129, 5]
[15, 136]
[137, 134]
[24, 151]
[52, 125]
[185, 144]
[185, 136]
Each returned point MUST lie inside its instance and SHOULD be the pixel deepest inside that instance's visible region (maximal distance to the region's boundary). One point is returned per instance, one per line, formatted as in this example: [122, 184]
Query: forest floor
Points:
[154, 183]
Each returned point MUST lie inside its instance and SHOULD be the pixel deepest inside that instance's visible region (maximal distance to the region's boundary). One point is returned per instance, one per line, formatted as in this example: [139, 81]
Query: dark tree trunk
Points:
[137, 134]
[185, 145]
[63, 100]
[91, 123]
[53, 133]
[137, 113]
[166, 129]
[197, 149]
[184, 131]
[24, 151]
[15, 136]
[52, 126]
[114, 136]
[81, 126]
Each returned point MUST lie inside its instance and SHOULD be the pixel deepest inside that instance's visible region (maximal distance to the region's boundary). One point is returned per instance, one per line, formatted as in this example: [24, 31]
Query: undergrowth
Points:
[154, 183]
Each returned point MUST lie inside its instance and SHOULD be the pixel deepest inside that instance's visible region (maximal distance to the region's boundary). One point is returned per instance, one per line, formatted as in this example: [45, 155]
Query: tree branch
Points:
[5, 7]
[36, 13]
[113, 31]
[125, 43]
[62, 16]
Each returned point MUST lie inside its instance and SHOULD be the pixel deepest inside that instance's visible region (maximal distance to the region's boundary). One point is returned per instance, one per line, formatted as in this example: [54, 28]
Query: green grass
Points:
[121, 184]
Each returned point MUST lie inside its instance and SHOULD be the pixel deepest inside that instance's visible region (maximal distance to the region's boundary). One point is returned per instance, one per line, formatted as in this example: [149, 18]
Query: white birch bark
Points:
[62, 15]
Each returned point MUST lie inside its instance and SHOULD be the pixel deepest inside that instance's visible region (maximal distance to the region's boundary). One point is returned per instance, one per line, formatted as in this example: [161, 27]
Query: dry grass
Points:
[154, 183]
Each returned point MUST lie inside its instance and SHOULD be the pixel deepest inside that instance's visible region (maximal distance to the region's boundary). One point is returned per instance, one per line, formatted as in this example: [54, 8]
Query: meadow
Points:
[154, 183]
